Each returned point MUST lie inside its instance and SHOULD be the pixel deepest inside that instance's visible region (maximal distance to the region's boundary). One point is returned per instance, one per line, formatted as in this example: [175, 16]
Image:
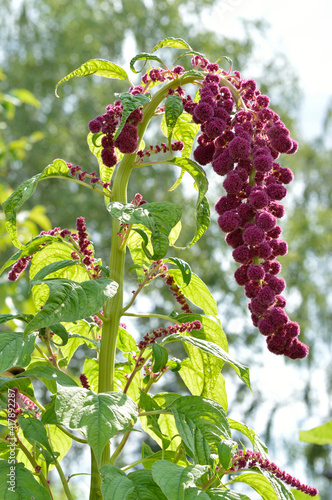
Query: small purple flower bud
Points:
[276, 191]
[253, 235]
[229, 221]
[256, 272]
[239, 148]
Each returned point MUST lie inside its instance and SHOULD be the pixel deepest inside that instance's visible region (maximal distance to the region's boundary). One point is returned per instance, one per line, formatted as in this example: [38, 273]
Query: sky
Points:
[299, 29]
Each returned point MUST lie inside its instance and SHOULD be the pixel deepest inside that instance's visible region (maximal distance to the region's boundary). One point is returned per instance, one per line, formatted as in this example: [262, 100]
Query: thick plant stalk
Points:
[113, 308]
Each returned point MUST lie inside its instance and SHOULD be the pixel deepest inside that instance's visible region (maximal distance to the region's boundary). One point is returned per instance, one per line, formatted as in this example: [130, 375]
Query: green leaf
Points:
[50, 373]
[52, 254]
[98, 416]
[31, 247]
[173, 109]
[116, 485]
[23, 385]
[259, 483]
[99, 67]
[176, 43]
[26, 97]
[161, 455]
[34, 431]
[159, 357]
[257, 443]
[147, 403]
[80, 333]
[174, 479]
[143, 56]
[197, 292]
[197, 173]
[71, 301]
[166, 423]
[135, 242]
[130, 102]
[202, 220]
[200, 421]
[282, 492]
[209, 347]
[24, 486]
[201, 373]
[125, 341]
[145, 486]
[11, 206]
[91, 370]
[225, 448]
[228, 59]
[61, 332]
[159, 218]
[9, 317]
[185, 130]
[183, 266]
[138, 485]
[60, 442]
[14, 350]
[52, 268]
[216, 493]
[192, 493]
[298, 495]
[318, 435]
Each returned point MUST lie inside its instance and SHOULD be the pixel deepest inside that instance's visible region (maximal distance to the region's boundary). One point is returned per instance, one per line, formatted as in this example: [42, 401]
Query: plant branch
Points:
[33, 463]
[69, 434]
[151, 315]
[108, 195]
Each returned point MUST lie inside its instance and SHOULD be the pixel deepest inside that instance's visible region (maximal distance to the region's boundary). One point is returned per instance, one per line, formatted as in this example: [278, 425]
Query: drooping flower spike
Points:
[243, 145]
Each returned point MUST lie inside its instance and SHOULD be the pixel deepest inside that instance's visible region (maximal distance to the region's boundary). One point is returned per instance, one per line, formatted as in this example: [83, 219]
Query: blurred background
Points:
[286, 47]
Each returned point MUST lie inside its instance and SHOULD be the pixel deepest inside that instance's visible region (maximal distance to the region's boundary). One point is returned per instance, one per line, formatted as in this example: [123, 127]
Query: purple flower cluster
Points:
[150, 338]
[163, 148]
[161, 75]
[179, 297]
[28, 404]
[85, 247]
[84, 381]
[243, 145]
[250, 459]
[13, 408]
[76, 171]
[18, 268]
[80, 241]
[127, 141]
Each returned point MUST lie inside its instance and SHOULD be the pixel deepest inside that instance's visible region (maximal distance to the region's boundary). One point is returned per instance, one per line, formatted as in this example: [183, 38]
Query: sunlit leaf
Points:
[99, 67]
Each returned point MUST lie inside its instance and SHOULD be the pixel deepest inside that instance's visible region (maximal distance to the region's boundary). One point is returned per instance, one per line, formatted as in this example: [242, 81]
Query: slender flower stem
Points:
[104, 193]
[44, 355]
[151, 315]
[120, 447]
[63, 481]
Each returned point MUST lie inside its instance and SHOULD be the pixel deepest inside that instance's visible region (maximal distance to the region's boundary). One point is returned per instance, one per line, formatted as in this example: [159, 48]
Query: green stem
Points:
[151, 315]
[104, 193]
[120, 447]
[95, 491]
[63, 481]
[69, 434]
